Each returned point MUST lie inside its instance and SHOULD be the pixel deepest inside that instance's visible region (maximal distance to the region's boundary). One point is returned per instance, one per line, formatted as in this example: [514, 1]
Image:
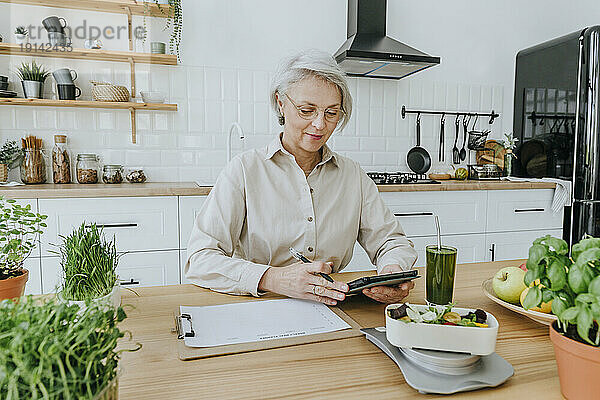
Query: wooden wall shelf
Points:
[111, 6]
[88, 104]
[114, 105]
[86, 54]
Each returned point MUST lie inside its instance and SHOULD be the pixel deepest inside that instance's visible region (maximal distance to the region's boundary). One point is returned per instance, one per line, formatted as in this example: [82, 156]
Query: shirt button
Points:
[310, 249]
[311, 190]
[309, 219]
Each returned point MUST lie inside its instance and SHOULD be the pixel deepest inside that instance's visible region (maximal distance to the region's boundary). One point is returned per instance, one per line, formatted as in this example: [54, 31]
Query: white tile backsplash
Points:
[190, 144]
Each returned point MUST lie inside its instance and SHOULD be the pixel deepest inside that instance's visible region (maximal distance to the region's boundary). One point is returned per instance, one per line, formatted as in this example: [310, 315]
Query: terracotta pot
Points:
[13, 287]
[578, 366]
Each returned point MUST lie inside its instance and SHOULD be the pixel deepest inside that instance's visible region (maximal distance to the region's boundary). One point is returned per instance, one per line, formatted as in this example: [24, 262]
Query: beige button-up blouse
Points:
[263, 203]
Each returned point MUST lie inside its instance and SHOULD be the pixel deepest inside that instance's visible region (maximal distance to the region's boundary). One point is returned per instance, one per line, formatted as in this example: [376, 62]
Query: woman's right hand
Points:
[300, 281]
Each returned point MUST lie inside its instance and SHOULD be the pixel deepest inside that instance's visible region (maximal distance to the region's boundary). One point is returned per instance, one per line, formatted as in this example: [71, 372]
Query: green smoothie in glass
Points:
[439, 273]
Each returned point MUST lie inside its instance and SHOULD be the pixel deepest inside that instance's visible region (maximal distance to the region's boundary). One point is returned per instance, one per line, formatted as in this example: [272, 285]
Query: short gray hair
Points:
[310, 63]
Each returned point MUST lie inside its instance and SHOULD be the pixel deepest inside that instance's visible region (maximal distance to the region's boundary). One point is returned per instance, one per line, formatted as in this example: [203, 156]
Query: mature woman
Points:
[296, 192]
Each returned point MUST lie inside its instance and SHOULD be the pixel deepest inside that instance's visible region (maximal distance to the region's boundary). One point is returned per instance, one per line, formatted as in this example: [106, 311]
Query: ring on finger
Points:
[318, 290]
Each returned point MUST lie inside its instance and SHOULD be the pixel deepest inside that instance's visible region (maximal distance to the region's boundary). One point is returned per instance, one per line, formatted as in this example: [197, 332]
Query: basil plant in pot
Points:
[50, 350]
[572, 283]
[19, 232]
[10, 157]
[89, 267]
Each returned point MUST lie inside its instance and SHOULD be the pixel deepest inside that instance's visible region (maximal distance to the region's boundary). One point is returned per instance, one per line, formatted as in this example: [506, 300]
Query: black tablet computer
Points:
[356, 286]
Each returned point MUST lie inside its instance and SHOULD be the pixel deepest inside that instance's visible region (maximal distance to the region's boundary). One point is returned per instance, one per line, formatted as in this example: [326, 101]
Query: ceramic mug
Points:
[54, 24]
[58, 39]
[68, 92]
[158, 48]
[64, 76]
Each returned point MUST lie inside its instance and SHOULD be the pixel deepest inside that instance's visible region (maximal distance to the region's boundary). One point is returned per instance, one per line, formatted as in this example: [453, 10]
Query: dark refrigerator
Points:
[557, 121]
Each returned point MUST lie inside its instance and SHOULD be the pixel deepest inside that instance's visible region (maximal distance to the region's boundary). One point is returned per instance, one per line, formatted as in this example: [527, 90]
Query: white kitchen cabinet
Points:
[514, 245]
[459, 211]
[34, 283]
[153, 268]
[519, 210]
[189, 207]
[137, 223]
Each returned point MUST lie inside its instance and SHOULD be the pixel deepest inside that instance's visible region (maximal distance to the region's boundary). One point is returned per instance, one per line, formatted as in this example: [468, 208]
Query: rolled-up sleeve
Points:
[380, 234]
[215, 235]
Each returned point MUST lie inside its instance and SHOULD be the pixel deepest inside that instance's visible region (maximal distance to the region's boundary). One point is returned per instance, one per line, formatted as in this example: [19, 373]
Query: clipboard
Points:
[184, 328]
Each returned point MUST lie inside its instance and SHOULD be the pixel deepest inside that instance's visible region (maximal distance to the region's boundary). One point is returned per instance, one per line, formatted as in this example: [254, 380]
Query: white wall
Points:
[231, 47]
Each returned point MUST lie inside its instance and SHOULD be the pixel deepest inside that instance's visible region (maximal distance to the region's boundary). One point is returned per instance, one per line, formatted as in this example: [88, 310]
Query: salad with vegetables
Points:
[439, 315]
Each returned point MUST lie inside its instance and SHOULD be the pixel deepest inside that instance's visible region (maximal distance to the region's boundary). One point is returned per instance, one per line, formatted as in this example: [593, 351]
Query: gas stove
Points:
[399, 178]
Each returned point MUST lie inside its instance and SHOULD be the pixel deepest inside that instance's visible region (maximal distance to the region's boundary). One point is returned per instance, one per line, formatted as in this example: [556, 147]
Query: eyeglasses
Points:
[311, 112]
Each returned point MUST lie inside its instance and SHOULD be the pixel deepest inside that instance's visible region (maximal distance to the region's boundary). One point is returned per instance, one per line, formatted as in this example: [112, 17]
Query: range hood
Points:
[369, 52]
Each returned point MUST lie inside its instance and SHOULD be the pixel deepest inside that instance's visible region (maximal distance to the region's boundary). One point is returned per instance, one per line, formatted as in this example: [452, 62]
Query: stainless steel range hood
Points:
[369, 52]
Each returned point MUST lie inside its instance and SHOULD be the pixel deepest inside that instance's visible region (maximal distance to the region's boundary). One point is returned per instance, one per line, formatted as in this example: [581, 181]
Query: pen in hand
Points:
[298, 256]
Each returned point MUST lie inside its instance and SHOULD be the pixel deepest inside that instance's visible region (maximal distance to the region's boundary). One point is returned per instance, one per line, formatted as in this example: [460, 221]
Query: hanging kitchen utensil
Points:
[418, 158]
[455, 151]
[441, 150]
[463, 152]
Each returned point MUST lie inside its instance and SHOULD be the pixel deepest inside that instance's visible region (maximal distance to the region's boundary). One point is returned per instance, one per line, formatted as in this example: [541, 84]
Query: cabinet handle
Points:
[493, 250]
[129, 282]
[415, 214]
[529, 210]
[133, 225]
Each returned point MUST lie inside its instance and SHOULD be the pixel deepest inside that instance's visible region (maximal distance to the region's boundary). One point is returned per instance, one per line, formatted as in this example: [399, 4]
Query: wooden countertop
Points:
[350, 368]
[74, 190]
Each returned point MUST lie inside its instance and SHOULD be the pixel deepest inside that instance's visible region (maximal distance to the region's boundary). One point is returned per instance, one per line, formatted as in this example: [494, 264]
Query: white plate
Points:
[461, 339]
[542, 318]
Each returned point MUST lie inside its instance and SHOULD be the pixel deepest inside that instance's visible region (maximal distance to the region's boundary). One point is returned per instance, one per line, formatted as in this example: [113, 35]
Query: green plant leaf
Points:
[557, 275]
[584, 245]
[537, 252]
[585, 298]
[558, 306]
[594, 286]
[569, 315]
[532, 275]
[584, 323]
[547, 295]
[533, 298]
[579, 278]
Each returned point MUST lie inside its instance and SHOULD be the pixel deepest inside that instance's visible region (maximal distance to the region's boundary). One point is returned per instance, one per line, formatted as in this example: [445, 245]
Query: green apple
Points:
[508, 284]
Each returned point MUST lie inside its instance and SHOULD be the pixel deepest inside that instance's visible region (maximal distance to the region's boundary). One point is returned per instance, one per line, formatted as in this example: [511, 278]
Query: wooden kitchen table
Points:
[341, 369]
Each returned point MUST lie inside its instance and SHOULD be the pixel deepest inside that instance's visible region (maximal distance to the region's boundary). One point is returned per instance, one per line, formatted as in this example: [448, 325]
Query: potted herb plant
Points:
[10, 157]
[50, 350]
[19, 232]
[32, 78]
[21, 35]
[572, 283]
[89, 267]
[174, 21]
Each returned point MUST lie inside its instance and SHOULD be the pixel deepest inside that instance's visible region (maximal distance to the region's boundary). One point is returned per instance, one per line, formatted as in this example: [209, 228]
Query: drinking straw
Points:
[439, 237]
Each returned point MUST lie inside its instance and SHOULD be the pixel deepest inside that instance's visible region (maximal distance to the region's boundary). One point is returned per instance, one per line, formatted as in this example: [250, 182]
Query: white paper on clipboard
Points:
[259, 320]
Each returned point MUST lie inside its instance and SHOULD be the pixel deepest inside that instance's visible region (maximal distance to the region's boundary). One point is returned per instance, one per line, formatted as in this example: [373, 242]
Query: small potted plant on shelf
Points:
[19, 232]
[572, 284]
[89, 267]
[51, 350]
[509, 143]
[10, 157]
[21, 35]
[174, 21]
[32, 78]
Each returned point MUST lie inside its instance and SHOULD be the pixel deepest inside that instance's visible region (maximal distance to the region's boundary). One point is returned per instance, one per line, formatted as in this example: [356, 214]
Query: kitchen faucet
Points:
[241, 133]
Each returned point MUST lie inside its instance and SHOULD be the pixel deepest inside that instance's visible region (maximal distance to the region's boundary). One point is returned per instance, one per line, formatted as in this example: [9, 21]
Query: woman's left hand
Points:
[389, 294]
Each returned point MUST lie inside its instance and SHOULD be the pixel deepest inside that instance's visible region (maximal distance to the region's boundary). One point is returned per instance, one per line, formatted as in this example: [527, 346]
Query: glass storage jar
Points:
[136, 175]
[87, 168]
[61, 165]
[112, 173]
[33, 167]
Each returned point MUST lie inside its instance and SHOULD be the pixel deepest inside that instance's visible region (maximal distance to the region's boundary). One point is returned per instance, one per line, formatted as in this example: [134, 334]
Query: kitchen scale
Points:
[442, 372]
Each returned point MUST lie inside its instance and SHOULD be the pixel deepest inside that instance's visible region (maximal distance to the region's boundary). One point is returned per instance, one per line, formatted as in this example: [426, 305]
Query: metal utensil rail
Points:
[493, 115]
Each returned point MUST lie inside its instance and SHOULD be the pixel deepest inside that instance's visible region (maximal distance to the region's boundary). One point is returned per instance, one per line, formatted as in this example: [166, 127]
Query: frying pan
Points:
[418, 158]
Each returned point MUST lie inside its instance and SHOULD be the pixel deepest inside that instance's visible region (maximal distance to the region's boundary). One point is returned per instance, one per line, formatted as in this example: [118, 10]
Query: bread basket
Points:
[103, 91]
